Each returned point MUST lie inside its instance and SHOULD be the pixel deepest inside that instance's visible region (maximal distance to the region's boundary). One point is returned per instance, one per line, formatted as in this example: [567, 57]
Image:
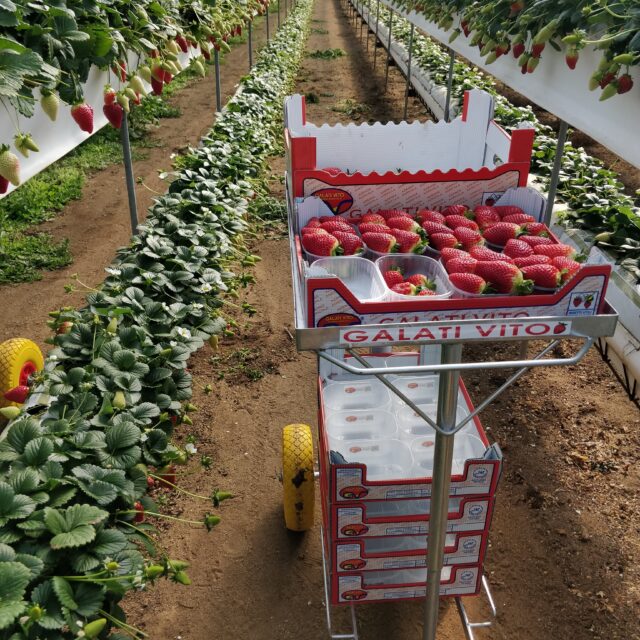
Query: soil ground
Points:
[564, 559]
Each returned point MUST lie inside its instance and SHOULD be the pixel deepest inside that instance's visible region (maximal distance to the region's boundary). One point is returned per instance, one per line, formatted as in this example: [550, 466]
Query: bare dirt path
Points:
[98, 223]
[565, 558]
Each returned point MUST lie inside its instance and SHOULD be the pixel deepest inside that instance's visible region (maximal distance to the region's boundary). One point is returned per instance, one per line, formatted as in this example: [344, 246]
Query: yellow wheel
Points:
[298, 477]
[19, 359]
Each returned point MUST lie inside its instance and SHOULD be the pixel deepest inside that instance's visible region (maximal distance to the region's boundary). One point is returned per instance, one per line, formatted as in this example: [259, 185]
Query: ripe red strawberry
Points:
[427, 215]
[404, 223]
[507, 209]
[488, 255]
[391, 213]
[327, 219]
[314, 222]
[351, 244]
[374, 218]
[544, 276]
[312, 230]
[553, 250]
[408, 241]
[455, 210]
[461, 265]
[468, 282]
[537, 49]
[536, 229]
[404, 288]
[109, 95]
[571, 57]
[529, 260]
[435, 227]
[536, 241]
[486, 216]
[380, 242]
[167, 474]
[393, 277]
[114, 114]
[568, 267]
[337, 224]
[519, 218]
[426, 292]
[439, 241]
[625, 83]
[518, 49]
[468, 237]
[373, 227]
[504, 277]
[156, 86]
[460, 221]
[421, 281]
[448, 253]
[320, 244]
[4, 184]
[606, 79]
[82, 113]
[182, 43]
[499, 234]
[517, 248]
[139, 516]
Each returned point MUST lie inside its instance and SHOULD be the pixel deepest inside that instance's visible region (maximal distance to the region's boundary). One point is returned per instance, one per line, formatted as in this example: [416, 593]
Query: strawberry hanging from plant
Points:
[82, 113]
[9, 166]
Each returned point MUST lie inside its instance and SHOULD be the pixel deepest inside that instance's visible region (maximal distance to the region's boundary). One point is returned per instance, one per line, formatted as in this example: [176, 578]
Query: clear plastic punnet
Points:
[364, 393]
[368, 424]
[359, 275]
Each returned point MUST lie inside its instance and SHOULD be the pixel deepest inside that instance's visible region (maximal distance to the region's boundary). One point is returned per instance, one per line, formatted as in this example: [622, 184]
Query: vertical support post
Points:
[128, 172]
[279, 3]
[555, 172]
[266, 17]
[443, 456]
[216, 63]
[375, 41]
[406, 91]
[447, 104]
[361, 17]
[386, 73]
[250, 41]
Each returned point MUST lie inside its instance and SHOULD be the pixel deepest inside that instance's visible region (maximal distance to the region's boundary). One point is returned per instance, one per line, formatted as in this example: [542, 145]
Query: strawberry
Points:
[120, 69]
[455, 210]
[426, 292]
[109, 95]
[504, 277]
[536, 229]
[535, 241]
[404, 223]
[380, 242]
[391, 213]
[9, 166]
[527, 261]
[351, 244]
[625, 83]
[568, 267]
[337, 224]
[313, 222]
[518, 49]
[50, 103]
[606, 79]
[4, 184]
[488, 255]
[468, 282]
[537, 49]
[327, 219]
[519, 218]
[461, 265]
[156, 86]
[571, 57]
[114, 113]
[553, 250]
[404, 288]
[137, 506]
[517, 249]
[82, 113]
[544, 276]
[507, 210]
[421, 281]
[311, 230]
[426, 215]
[486, 216]
[499, 234]
[408, 241]
[135, 82]
[373, 227]
[373, 218]
[17, 394]
[441, 240]
[468, 237]
[448, 253]
[24, 143]
[145, 73]
[168, 474]
[182, 43]
[460, 221]
[320, 244]
[435, 227]
[393, 277]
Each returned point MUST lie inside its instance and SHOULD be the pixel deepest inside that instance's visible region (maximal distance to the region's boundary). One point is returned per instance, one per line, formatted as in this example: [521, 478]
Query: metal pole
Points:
[361, 18]
[279, 2]
[555, 173]
[216, 62]
[267, 21]
[128, 172]
[375, 45]
[406, 92]
[443, 456]
[250, 41]
[386, 73]
[447, 103]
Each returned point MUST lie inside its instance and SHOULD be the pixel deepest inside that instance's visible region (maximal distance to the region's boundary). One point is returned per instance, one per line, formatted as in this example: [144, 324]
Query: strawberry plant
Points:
[75, 515]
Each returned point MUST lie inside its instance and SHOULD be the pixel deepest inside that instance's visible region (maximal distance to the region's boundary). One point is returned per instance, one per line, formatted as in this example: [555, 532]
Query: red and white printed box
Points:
[402, 584]
[405, 552]
[356, 167]
[376, 519]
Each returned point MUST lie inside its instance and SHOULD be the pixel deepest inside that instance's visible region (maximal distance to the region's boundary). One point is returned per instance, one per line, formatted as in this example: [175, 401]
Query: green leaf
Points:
[108, 542]
[14, 578]
[64, 592]
[9, 611]
[37, 452]
[89, 598]
[74, 526]
[34, 564]
[24, 481]
[44, 596]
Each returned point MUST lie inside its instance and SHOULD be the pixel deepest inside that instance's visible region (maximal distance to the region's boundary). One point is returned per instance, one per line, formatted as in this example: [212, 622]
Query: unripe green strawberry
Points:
[131, 94]
[182, 578]
[220, 496]
[119, 401]
[18, 143]
[214, 342]
[35, 612]
[145, 73]
[153, 571]
[123, 101]
[211, 521]
[135, 82]
[50, 103]
[199, 68]
[9, 412]
[112, 327]
[93, 628]
[9, 166]
[609, 91]
[172, 45]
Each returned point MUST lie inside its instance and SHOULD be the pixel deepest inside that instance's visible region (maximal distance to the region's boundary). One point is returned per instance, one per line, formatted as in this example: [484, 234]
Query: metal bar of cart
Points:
[466, 623]
[555, 172]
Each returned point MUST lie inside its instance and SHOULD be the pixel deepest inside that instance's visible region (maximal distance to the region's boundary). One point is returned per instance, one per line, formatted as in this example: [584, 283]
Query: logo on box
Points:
[469, 545]
[476, 510]
[583, 303]
[467, 576]
[338, 200]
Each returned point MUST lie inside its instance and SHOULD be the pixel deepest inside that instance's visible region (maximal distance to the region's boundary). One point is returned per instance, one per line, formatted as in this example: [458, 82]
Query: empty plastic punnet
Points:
[419, 389]
[385, 459]
[466, 446]
[366, 424]
[359, 275]
[411, 425]
[404, 576]
[364, 393]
